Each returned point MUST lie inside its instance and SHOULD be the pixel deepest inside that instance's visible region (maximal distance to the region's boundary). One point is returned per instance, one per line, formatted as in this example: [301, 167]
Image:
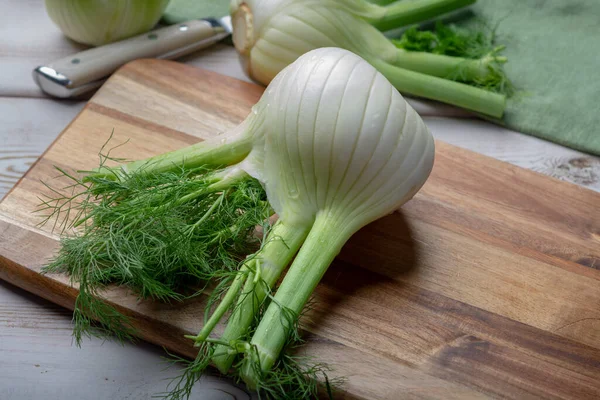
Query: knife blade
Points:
[85, 71]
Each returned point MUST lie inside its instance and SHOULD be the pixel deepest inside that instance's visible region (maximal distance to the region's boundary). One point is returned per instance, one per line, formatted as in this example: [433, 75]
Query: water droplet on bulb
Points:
[293, 193]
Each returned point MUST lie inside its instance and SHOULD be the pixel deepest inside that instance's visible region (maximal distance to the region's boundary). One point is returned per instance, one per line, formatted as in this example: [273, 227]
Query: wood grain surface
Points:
[485, 285]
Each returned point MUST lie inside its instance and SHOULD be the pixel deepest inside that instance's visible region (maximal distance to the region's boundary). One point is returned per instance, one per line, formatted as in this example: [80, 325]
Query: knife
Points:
[85, 71]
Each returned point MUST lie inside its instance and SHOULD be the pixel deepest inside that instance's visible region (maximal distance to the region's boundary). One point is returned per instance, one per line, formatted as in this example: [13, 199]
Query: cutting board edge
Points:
[29, 278]
[41, 156]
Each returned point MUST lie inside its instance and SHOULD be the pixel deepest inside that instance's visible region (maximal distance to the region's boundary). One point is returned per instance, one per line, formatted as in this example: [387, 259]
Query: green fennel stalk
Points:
[275, 255]
[304, 274]
[404, 13]
[415, 83]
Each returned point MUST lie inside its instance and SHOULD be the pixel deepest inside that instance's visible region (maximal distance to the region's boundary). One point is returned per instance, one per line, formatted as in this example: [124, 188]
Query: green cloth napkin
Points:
[553, 47]
[184, 10]
[553, 50]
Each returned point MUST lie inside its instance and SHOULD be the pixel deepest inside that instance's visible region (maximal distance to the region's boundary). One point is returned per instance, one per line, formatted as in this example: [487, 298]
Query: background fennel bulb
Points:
[97, 22]
[271, 34]
[335, 147]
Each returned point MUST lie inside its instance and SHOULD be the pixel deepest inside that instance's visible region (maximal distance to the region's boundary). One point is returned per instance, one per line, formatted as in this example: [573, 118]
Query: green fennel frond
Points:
[163, 235]
[472, 44]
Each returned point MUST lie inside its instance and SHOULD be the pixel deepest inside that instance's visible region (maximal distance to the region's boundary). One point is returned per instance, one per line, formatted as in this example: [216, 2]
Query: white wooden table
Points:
[37, 357]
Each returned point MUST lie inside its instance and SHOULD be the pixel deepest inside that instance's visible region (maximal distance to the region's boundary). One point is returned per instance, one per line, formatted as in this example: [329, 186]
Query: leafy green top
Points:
[453, 41]
[160, 234]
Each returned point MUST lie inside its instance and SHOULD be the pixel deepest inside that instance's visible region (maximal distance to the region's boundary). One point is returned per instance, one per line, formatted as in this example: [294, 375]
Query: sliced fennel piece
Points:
[271, 34]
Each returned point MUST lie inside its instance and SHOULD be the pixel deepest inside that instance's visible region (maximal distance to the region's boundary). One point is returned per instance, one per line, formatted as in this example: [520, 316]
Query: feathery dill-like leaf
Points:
[471, 44]
[164, 235]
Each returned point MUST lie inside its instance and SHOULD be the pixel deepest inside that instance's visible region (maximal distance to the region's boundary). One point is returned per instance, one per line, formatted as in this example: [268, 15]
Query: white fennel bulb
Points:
[340, 140]
[271, 34]
[97, 22]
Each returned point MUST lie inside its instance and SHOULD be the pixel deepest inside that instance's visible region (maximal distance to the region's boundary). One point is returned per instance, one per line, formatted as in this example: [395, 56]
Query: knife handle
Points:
[92, 65]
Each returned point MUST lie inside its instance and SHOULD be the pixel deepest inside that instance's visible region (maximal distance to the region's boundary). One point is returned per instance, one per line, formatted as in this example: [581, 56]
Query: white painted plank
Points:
[39, 361]
[515, 148]
[28, 38]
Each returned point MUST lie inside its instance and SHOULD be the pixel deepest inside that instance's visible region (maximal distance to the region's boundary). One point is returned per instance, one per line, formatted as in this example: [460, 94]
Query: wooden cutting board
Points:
[485, 285]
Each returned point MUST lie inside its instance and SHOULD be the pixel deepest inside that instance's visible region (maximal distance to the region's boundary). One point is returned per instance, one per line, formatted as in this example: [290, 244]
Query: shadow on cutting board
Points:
[377, 255]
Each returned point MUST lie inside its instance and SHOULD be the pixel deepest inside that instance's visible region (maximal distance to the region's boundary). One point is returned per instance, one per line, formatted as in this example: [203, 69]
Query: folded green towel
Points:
[553, 50]
[184, 10]
[553, 47]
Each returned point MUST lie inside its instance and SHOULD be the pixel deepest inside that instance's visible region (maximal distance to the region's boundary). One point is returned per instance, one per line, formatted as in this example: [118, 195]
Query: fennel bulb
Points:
[98, 22]
[271, 34]
[335, 147]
